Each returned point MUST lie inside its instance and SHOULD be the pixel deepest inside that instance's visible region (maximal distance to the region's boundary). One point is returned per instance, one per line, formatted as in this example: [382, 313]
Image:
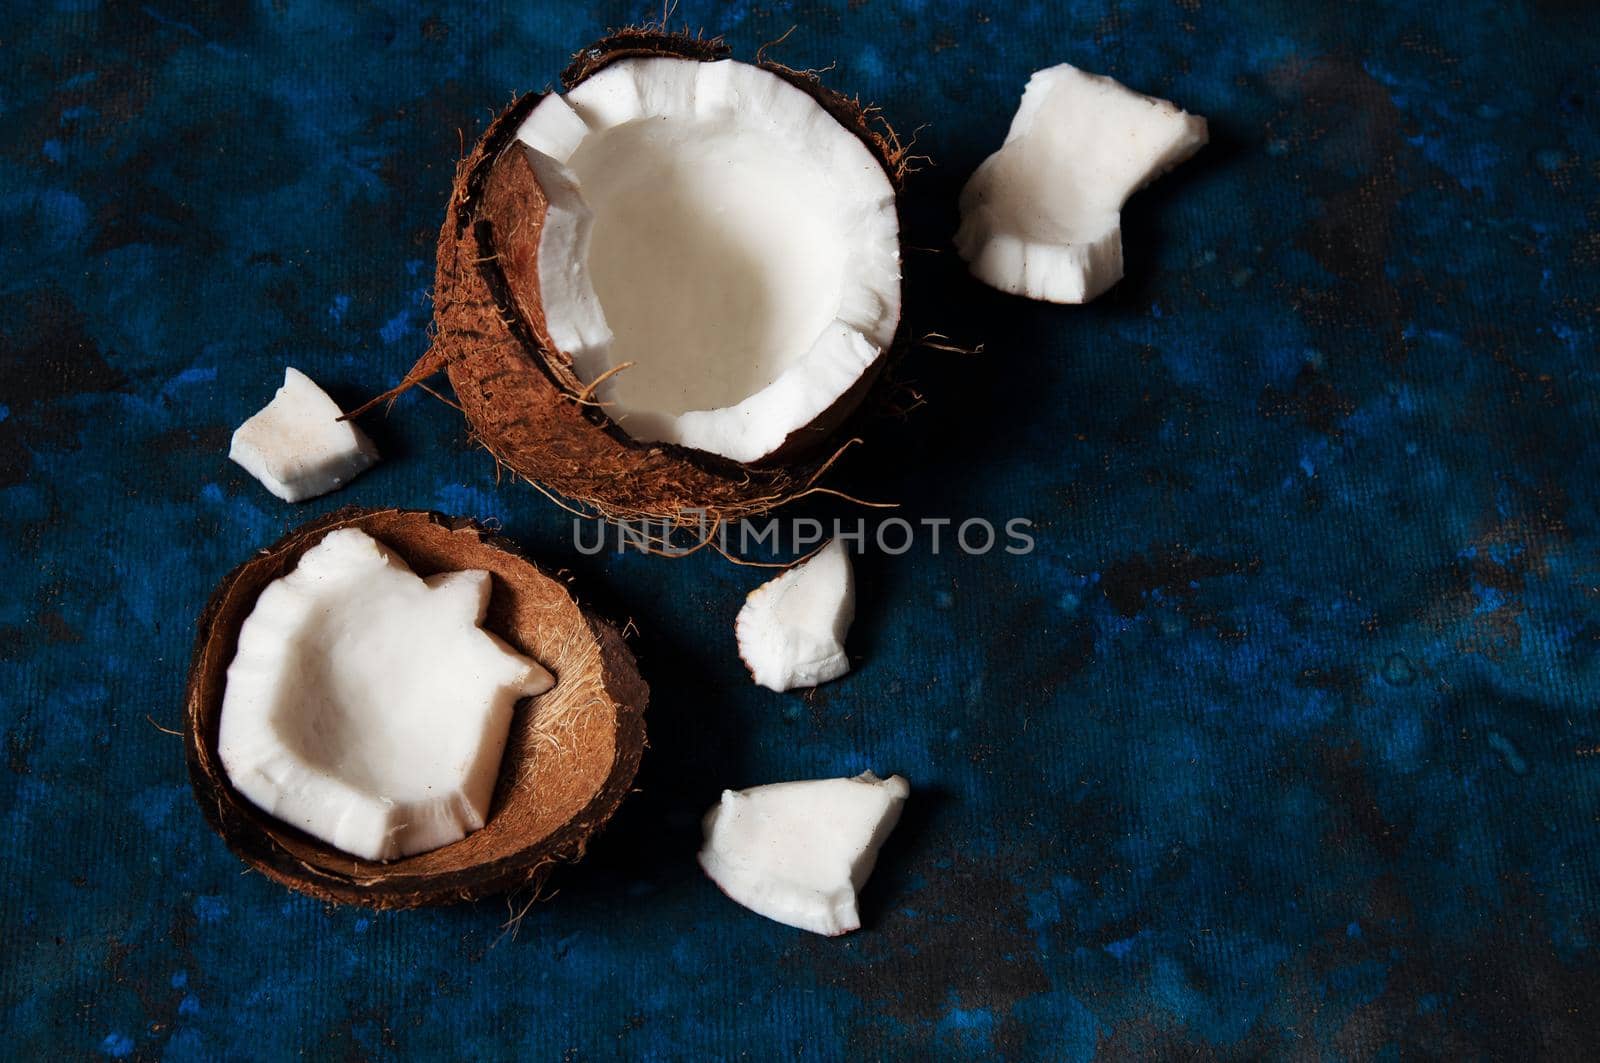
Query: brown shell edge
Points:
[524, 403]
[263, 843]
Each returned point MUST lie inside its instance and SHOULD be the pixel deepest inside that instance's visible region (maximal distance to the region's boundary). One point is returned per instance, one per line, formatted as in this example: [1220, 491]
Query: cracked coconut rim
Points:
[719, 257]
[570, 754]
[521, 390]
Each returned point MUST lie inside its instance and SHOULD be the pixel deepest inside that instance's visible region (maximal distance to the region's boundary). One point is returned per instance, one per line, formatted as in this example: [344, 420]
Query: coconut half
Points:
[1042, 217]
[663, 292]
[570, 755]
[366, 705]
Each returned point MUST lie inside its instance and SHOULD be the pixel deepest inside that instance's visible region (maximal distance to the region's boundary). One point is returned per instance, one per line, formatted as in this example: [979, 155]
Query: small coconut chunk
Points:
[297, 446]
[1042, 217]
[791, 630]
[799, 852]
[366, 706]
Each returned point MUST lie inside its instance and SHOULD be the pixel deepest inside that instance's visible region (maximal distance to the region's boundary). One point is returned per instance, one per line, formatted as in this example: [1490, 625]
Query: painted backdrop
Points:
[1283, 741]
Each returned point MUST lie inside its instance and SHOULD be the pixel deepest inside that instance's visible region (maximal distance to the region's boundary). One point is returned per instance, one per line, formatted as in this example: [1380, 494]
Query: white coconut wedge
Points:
[297, 446]
[720, 257]
[791, 629]
[799, 852]
[366, 705]
[1042, 217]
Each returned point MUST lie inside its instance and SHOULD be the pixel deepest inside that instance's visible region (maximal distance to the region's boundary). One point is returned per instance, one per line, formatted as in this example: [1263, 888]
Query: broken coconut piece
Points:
[297, 446]
[791, 629]
[799, 852]
[1042, 217]
[726, 231]
[366, 706]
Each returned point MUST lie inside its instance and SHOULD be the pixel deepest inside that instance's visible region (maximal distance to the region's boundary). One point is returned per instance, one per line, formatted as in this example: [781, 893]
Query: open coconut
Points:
[662, 293]
[569, 759]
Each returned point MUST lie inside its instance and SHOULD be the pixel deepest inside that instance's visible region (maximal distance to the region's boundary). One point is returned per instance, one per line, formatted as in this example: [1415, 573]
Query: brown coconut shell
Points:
[520, 393]
[569, 761]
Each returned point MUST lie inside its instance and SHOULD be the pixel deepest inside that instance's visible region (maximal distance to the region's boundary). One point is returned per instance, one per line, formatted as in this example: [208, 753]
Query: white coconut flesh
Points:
[1042, 217]
[297, 446]
[714, 229]
[791, 629]
[366, 706]
[799, 852]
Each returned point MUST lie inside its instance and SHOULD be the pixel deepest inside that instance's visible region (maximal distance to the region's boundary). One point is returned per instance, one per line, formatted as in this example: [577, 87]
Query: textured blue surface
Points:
[1283, 742]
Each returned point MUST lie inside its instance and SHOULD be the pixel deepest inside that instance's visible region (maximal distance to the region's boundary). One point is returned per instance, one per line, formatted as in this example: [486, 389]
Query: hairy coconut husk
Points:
[521, 395]
[569, 760]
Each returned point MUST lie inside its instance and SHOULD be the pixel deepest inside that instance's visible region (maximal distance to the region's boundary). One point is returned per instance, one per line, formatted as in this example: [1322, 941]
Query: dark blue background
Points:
[1283, 741]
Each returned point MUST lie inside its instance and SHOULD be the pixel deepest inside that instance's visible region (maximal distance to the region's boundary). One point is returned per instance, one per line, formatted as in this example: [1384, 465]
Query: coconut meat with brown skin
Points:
[366, 706]
[791, 629]
[712, 228]
[1042, 217]
[297, 446]
[799, 852]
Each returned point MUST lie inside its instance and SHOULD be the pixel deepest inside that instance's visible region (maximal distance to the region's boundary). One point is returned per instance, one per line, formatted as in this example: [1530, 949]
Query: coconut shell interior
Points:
[570, 757]
[519, 392]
